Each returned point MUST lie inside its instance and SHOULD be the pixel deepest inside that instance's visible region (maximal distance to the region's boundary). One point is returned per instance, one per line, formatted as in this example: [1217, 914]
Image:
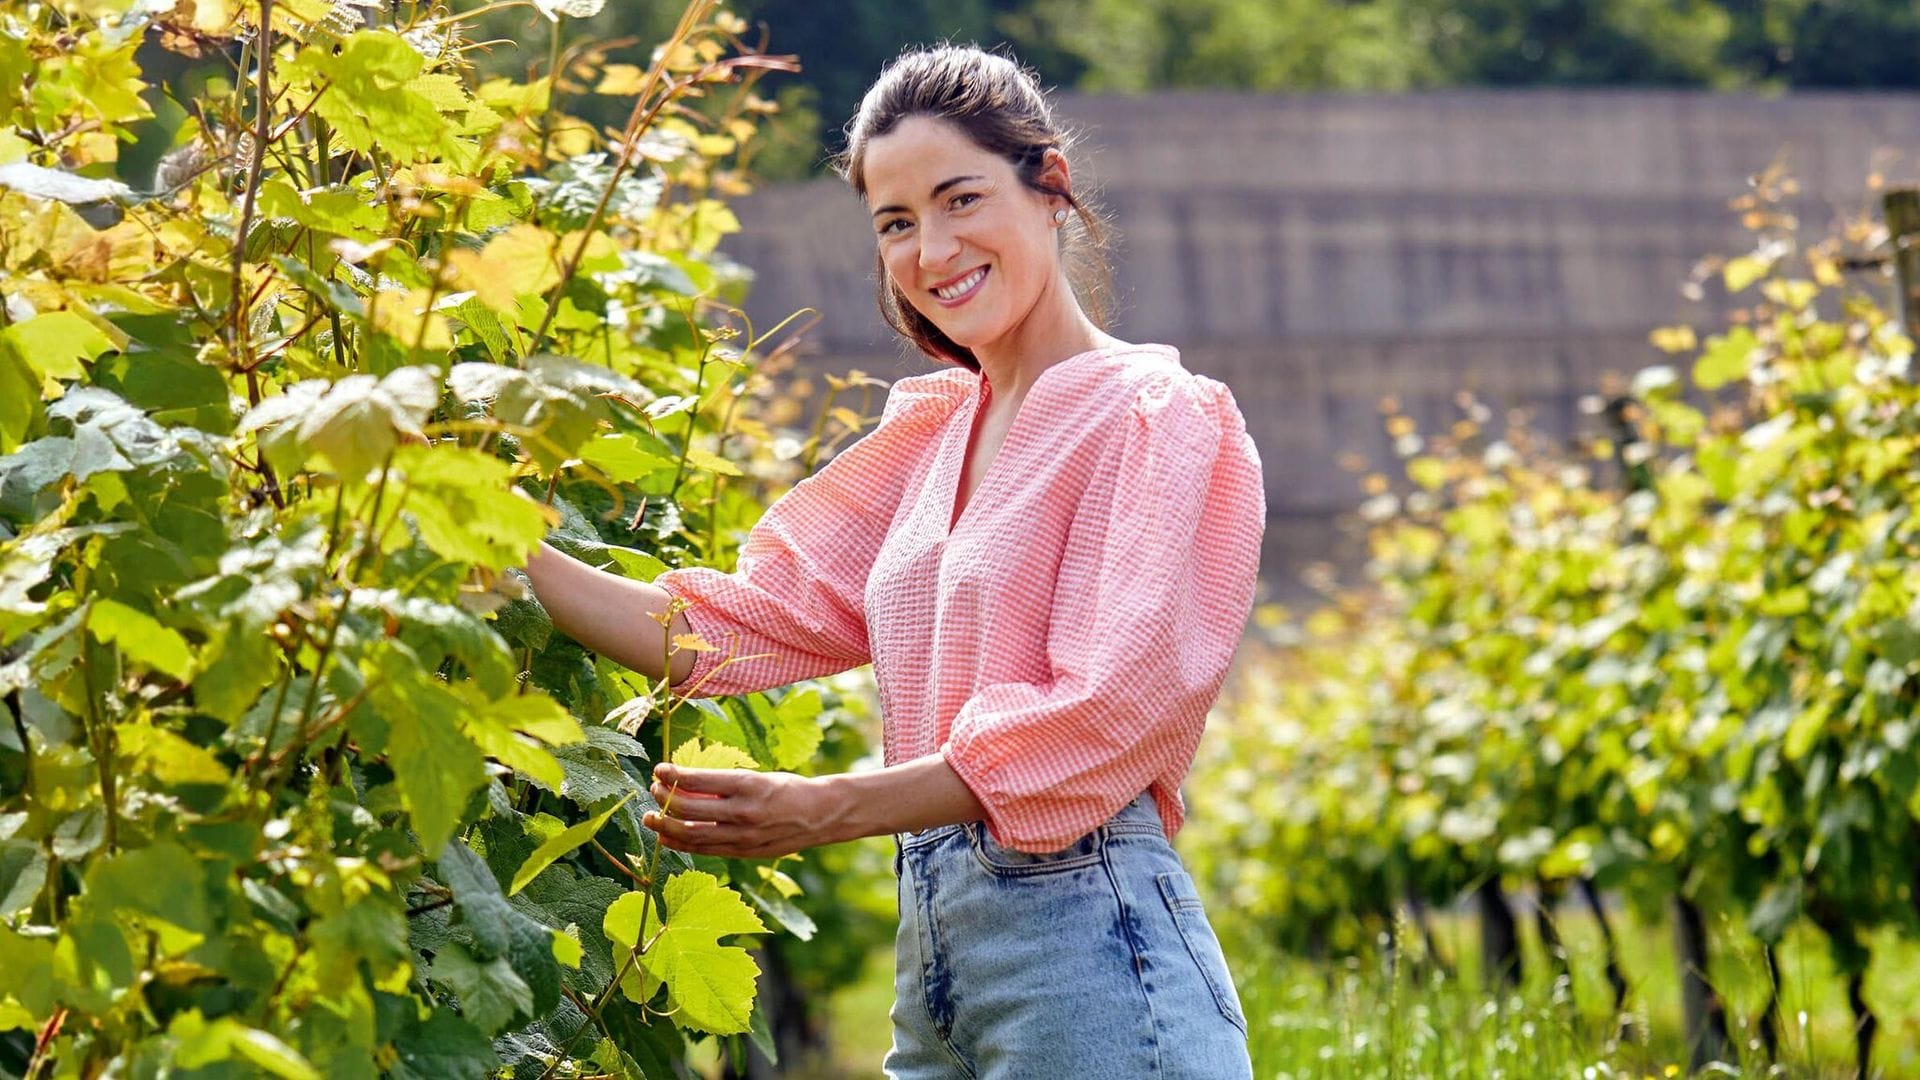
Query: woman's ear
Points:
[1054, 173]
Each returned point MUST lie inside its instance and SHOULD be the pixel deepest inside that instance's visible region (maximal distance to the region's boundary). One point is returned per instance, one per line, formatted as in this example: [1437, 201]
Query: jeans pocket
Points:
[1190, 918]
[1006, 862]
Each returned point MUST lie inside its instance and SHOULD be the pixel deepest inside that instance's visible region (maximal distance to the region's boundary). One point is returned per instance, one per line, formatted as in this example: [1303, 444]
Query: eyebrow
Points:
[937, 189]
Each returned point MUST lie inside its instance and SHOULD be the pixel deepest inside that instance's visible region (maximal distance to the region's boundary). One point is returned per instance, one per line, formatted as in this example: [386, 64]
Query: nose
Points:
[938, 246]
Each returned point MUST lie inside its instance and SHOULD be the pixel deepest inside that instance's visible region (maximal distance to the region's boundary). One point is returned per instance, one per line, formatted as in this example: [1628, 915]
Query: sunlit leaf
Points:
[711, 984]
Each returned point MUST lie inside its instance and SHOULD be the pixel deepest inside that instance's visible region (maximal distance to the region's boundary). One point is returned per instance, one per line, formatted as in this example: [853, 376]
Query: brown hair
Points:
[999, 105]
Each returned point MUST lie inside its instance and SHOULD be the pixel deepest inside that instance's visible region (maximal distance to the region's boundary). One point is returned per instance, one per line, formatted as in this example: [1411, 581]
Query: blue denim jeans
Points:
[1095, 961]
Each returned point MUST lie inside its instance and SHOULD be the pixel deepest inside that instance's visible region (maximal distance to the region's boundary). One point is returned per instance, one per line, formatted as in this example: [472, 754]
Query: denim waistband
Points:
[1140, 815]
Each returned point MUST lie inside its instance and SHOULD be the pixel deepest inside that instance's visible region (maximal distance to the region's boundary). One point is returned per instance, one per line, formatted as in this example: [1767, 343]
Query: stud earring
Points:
[1059, 217]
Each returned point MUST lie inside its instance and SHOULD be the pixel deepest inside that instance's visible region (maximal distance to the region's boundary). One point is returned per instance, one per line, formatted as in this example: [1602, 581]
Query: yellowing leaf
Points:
[521, 260]
[56, 343]
[1428, 472]
[697, 755]
[168, 757]
[701, 459]
[567, 948]
[711, 985]
[1794, 294]
[212, 17]
[1673, 339]
[621, 79]
[142, 639]
[1744, 271]
[404, 316]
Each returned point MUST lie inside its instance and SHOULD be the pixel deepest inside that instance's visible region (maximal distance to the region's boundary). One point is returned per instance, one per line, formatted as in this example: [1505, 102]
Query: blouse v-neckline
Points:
[980, 390]
[956, 512]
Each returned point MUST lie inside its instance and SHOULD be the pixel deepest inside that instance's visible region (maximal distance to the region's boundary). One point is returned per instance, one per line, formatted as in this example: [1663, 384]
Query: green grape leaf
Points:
[1726, 359]
[477, 893]
[795, 731]
[623, 458]
[563, 844]
[199, 1042]
[353, 423]
[466, 508]
[557, 398]
[567, 948]
[768, 897]
[498, 929]
[435, 766]
[360, 418]
[21, 413]
[368, 101]
[560, 898]
[491, 994]
[711, 985]
[167, 757]
[443, 1047]
[26, 971]
[592, 775]
[162, 886]
[512, 730]
[23, 873]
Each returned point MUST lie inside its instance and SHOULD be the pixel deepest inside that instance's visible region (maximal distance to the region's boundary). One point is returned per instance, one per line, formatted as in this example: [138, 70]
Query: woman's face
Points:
[969, 245]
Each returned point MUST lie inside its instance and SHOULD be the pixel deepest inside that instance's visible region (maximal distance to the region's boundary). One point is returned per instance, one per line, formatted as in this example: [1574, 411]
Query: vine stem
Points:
[100, 742]
[44, 1042]
[262, 123]
[640, 120]
[553, 87]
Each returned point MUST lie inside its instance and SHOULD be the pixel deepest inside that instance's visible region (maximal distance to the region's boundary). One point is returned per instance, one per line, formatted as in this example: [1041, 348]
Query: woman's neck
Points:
[1053, 330]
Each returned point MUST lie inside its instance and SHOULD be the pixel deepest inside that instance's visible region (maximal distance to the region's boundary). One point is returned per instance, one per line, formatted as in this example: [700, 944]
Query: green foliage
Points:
[1140, 46]
[295, 778]
[1695, 677]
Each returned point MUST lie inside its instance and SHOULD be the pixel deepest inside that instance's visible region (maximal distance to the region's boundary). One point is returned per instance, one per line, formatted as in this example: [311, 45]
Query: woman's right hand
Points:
[619, 618]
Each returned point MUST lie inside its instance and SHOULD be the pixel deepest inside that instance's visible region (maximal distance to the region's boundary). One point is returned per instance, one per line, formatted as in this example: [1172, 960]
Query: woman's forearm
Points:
[917, 794]
[614, 616]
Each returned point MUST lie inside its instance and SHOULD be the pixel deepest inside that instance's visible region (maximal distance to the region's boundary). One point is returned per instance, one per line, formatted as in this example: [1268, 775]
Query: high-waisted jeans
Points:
[1095, 961]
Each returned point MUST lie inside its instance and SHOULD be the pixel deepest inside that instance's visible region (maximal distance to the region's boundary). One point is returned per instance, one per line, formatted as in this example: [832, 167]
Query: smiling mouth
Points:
[960, 290]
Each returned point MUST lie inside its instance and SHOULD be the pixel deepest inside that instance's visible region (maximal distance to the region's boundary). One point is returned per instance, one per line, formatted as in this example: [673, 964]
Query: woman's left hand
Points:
[739, 812]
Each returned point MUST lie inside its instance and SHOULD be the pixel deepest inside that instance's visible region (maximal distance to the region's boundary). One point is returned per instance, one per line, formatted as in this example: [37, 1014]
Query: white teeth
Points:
[962, 286]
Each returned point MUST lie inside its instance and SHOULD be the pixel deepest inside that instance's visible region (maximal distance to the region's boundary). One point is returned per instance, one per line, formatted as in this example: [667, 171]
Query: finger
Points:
[676, 833]
[705, 781]
[663, 792]
[716, 808]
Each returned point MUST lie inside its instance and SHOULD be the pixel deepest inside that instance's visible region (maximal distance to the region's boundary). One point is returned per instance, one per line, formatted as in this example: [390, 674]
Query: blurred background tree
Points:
[1136, 46]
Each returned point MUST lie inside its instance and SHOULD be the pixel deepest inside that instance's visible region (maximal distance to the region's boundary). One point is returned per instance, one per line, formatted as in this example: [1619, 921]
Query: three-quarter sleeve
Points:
[793, 608]
[1152, 597]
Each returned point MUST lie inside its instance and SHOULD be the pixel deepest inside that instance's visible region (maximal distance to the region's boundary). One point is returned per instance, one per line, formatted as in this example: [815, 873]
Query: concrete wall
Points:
[1319, 252]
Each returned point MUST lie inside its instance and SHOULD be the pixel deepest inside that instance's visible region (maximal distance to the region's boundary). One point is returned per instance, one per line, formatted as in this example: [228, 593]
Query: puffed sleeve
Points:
[795, 599]
[1152, 597]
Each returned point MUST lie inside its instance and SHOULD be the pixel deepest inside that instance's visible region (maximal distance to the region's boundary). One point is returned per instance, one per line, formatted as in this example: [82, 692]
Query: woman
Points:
[1047, 550]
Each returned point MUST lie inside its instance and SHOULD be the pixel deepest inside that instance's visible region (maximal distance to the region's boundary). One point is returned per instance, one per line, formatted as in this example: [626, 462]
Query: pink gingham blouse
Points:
[1061, 643]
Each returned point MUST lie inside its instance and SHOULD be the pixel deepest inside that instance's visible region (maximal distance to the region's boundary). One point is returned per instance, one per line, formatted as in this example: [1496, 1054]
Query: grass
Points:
[1355, 1019]
[1358, 1018]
